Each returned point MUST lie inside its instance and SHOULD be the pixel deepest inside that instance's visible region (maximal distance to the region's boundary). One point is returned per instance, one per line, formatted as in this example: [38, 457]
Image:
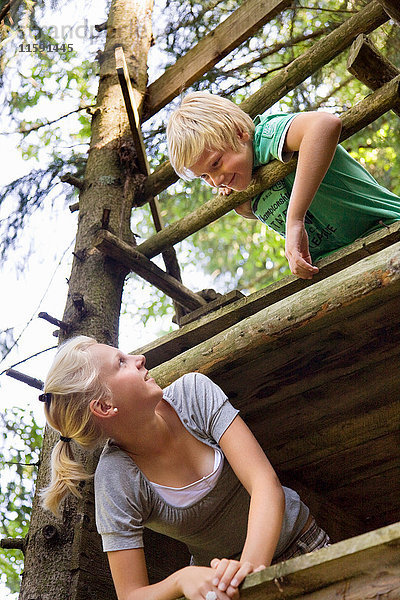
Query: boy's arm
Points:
[244, 210]
[314, 136]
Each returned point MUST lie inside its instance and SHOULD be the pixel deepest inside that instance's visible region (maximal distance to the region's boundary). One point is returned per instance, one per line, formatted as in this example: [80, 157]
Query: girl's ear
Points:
[101, 408]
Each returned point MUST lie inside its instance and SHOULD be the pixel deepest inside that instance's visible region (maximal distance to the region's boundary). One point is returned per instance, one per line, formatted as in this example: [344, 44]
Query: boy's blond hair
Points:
[204, 121]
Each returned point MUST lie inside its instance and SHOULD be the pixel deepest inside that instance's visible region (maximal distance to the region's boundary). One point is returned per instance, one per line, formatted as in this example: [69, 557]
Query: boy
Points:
[330, 200]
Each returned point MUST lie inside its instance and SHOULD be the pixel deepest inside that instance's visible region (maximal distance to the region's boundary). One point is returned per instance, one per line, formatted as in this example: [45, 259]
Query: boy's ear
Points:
[101, 408]
[244, 136]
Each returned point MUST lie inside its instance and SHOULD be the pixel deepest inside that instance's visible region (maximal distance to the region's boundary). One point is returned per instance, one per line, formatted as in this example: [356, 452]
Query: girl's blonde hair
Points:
[204, 122]
[73, 381]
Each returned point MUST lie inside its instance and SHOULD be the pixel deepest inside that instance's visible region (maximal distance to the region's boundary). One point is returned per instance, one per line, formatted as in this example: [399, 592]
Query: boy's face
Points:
[227, 168]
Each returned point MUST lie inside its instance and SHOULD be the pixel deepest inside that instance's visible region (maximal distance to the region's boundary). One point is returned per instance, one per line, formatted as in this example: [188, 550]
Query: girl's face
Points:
[126, 377]
[227, 168]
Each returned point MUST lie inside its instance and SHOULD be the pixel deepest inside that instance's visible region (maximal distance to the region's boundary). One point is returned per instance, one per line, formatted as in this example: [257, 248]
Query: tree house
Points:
[313, 366]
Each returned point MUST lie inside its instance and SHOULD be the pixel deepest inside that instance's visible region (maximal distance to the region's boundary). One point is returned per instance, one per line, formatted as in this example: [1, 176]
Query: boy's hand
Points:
[297, 252]
[224, 191]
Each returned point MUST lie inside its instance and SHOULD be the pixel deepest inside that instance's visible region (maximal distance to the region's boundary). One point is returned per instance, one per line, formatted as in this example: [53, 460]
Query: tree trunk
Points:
[64, 558]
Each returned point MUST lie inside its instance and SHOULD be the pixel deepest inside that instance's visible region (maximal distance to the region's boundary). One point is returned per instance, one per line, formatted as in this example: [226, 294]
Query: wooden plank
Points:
[222, 300]
[392, 8]
[362, 461]
[303, 371]
[131, 109]
[169, 254]
[366, 20]
[369, 66]
[129, 256]
[352, 569]
[190, 335]
[326, 442]
[360, 115]
[321, 52]
[339, 523]
[370, 281]
[365, 499]
[239, 26]
[134, 123]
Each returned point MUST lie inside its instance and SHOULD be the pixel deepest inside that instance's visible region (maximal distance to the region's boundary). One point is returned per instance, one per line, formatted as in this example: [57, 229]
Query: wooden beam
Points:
[134, 122]
[169, 254]
[131, 109]
[372, 280]
[392, 8]
[365, 566]
[129, 256]
[190, 335]
[239, 26]
[365, 112]
[366, 20]
[369, 66]
[324, 50]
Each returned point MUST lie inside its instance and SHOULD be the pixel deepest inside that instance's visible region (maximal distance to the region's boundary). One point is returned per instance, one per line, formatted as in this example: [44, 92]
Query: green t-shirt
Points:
[349, 202]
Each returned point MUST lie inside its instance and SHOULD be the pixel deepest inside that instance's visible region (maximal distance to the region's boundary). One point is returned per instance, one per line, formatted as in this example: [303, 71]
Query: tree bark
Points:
[64, 558]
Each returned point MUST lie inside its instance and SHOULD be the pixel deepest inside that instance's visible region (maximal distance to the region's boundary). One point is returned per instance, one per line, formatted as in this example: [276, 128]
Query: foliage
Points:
[21, 440]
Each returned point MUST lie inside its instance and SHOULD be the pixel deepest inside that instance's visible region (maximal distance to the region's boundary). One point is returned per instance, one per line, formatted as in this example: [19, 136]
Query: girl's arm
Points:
[129, 573]
[267, 505]
[315, 136]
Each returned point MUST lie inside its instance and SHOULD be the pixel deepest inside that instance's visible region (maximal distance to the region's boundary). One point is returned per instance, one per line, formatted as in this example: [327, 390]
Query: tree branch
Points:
[39, 125]
[69, 178]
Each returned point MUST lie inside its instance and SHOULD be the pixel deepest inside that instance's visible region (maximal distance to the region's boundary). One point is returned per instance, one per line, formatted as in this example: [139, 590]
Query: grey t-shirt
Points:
[215, 525]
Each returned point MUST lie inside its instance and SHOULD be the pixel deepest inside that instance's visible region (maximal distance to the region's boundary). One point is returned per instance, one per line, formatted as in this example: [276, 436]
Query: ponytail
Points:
[71, 384]
[66, 475]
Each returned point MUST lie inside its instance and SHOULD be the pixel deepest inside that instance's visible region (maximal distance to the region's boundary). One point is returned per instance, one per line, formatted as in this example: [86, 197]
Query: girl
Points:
[179, 461]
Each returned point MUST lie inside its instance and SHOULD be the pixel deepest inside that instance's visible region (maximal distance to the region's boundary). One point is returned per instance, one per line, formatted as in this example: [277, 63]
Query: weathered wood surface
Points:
[360, 115]
[169, 254]
[366, 20]
[327, 301]
[131, 109]
[392, 8]
[222, 300]
[129, 256]
[207, 326]
[239, 26]
[360, 568]
[369, 66]
[366, 566]
[340, 521]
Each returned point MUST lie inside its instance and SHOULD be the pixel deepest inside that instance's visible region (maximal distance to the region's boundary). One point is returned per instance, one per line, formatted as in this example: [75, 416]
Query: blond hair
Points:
[73, 381]
[204, 122]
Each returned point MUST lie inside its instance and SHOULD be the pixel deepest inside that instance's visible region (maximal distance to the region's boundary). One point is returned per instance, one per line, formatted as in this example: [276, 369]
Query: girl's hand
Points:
[297, 251]
[229, 574]
[196, 582]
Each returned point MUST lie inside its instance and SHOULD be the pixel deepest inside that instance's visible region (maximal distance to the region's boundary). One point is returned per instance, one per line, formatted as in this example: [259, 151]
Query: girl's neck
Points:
[149, 439]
